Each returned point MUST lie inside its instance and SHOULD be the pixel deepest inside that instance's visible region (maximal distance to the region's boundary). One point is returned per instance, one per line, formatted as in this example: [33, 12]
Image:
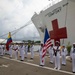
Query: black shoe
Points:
[31, 58]
[73, 72]
[19, 56]
[26, 57]
[42, 65]
[21, 60]
[64, 64]
[10, 57]
[51, 62]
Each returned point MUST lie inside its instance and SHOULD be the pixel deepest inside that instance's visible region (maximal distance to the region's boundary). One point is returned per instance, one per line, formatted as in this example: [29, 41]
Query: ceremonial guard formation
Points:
[55, 52]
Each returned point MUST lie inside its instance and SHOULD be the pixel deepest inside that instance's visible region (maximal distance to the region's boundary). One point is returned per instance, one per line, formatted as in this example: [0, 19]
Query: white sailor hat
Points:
[73, 43]
[57, 42]
[41, 42]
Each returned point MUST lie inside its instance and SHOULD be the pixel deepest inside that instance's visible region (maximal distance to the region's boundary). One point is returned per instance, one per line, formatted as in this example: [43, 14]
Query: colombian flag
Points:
[9, 40]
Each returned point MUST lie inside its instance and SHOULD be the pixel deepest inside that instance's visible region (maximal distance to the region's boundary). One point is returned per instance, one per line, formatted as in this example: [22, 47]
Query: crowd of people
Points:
[17, 48]
[54, 52]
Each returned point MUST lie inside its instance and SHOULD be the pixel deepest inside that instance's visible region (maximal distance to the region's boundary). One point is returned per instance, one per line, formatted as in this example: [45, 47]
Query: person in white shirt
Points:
[72, 54]
[51, 52]
[22, 52]
[19, 48]
[15, 48]
[1, 50]
[40, 54]
[10, 50]
[32, 51]
[64, 52]
[26, 51]
[57, 56]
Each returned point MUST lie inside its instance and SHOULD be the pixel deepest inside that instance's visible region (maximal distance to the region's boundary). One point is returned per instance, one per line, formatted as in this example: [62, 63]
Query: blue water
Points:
[36, 47]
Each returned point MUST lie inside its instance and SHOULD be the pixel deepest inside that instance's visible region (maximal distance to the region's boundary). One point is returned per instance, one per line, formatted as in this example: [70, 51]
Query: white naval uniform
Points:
[19, 48]
[32, 51]
[57, 58]
[22, 52]
[64, 52]
[72, 54]
[40, 54]
[10, 50]
[4, 49]
[1, 50]
[15, 47]
[26, 51]
[51, 52]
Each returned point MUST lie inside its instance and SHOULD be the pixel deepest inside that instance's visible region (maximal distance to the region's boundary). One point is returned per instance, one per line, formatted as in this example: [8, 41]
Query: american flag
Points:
[47, 43]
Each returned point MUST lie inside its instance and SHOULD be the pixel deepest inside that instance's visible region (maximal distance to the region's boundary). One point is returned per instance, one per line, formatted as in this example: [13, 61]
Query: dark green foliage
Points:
[68, 47]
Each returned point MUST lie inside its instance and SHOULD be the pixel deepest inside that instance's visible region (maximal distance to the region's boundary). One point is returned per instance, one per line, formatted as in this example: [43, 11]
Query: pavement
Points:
[31, 67]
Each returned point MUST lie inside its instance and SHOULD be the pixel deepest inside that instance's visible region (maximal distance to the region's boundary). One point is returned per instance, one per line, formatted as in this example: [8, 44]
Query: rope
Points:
[15, 31]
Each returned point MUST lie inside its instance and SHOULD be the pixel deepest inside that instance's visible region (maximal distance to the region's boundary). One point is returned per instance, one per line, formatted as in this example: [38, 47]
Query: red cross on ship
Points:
[57, 33]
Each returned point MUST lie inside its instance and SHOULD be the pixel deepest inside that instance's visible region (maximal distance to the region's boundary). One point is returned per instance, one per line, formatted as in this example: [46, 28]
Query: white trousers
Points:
[32, 54]
[16, 54]
[57, 62]
[2, 51]
[42, 63]
[73, 62]
[10, 52]
[26, 52]
[64, 59]
[22, 57]
[51, 57]
[20, 51]
[22, 54]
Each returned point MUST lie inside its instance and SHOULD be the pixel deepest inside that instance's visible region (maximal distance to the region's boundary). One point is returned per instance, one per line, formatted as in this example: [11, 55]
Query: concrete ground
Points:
[31, 67]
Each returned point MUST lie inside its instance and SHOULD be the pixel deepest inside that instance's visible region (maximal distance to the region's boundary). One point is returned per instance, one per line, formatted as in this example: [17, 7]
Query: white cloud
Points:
[15, 13]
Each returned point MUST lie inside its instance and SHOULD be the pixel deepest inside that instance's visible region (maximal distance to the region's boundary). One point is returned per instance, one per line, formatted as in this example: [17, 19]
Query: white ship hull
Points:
[64, 13]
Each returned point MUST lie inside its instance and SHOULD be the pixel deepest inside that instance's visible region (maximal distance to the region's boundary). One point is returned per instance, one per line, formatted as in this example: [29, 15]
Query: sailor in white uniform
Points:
[57, 56]
[72, 54]
[26, 51]
[64, 52]
[15, 48]
[10, 50]
[22, 52]
[40, 54]
[19, 48]
[51, 52]
[32, 51]
[1, 49]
